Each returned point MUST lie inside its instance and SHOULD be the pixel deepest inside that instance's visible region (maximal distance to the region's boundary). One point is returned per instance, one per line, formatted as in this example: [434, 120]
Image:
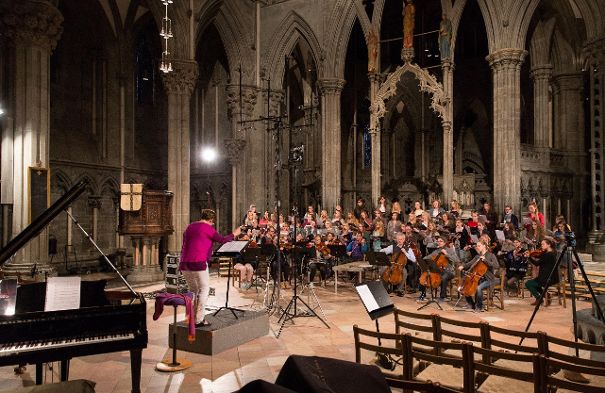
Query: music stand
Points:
[377, 258]
[291, 312]
[429, 267]
[338, 251]
[230, 249]
[377, 302]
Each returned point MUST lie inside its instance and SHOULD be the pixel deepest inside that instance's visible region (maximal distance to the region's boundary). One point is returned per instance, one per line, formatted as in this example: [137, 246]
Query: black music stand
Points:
[377, 303]
[429, 267]
[231, 249]
[338, 251]
[291, 310]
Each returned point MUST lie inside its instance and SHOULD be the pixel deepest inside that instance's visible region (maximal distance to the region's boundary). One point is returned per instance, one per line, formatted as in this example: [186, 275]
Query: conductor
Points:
[195, 254]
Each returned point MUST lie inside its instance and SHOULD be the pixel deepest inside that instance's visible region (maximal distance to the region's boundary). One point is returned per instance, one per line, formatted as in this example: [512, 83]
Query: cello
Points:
[471, 278]
[430, 279]
[394, 274]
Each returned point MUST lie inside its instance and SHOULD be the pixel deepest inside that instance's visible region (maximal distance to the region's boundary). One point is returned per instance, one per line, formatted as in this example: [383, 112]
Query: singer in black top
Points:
[546, 260]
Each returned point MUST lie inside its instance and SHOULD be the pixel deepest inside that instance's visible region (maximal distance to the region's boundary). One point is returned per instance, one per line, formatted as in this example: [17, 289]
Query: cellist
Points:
[397, 247]
[447, 273]
[490, 277]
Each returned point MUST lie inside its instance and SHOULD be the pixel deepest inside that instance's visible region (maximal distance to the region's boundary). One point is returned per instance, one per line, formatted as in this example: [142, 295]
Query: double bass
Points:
[394, 274]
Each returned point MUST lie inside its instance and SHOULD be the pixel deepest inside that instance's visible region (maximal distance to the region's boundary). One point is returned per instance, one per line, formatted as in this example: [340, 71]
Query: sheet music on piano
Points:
[62, 293]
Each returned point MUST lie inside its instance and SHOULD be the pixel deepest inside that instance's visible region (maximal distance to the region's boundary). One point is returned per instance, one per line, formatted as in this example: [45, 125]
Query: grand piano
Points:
[105, 322]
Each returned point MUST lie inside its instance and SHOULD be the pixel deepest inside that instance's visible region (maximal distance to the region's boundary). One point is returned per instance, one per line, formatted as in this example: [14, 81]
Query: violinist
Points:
[321, 261]
[394, 249]
[516, 264]
[546, 260]
[447, 272]
[489, 279]
[357, 247]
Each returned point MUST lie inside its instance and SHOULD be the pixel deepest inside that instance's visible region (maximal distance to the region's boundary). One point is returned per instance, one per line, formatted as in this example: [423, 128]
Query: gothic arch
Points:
[109, 187]
[507, 28]
[60, 181]
[293, 27]
[563, 56]
[427, 83]
[343, 20]
[91, 187]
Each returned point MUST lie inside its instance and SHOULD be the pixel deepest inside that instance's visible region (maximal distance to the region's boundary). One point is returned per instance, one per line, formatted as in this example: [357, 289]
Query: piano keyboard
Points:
[35, 345]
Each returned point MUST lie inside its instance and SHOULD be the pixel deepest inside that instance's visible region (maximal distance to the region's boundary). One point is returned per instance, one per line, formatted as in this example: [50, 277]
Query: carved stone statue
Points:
[445, 38]
[409, 12]
[372, 40]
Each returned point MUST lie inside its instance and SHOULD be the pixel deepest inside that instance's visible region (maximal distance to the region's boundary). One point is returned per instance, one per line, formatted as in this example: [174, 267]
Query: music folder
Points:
[377, 258]
[375, 299]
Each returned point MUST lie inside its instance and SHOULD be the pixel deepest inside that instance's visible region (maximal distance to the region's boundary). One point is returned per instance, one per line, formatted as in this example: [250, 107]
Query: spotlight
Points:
[1, 111]
[209, 154]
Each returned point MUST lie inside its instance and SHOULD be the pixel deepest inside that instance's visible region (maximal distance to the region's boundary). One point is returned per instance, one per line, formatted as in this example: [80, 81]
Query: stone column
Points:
[595, 52]
[447, 68]
[330, 140]
[179, 86]
[31, 30]
[375, 139]
[274, 101]
[234, 148]
[569, 136]
[541, 76]
[506, 66]
[243, 162]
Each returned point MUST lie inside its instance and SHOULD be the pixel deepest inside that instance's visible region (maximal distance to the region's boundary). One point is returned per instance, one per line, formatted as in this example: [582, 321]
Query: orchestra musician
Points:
[448, 272]
[357, 247]
[195, 255]
[546, 260]
[516, 264]
[510, 217]
[394, 249]
[436, 210]
[491, 219]
[489, 279]
[321, 261]
[534, 215]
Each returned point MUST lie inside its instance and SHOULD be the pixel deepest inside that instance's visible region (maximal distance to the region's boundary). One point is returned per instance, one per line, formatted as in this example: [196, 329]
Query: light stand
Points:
[569, 250]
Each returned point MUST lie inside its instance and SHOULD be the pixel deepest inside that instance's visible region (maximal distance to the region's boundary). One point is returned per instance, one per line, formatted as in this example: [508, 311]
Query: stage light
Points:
[209, 154]
[1, 111]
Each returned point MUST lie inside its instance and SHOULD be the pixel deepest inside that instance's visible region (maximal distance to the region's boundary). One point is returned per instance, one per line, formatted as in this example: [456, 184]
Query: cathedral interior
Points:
[512, 114]
[285, 104]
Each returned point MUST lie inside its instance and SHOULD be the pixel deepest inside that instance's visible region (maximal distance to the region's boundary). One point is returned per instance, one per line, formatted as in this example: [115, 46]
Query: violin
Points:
[323, 249]
[535, 253]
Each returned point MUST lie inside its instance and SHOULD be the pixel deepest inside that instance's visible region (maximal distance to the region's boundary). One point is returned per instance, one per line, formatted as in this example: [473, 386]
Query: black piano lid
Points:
[36, 226]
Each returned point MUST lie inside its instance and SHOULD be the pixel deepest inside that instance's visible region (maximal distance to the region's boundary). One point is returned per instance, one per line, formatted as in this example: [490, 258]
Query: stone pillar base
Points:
[140, 274]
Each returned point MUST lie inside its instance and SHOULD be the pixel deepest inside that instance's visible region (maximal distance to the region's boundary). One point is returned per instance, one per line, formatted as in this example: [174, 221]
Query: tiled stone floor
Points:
[263, 357]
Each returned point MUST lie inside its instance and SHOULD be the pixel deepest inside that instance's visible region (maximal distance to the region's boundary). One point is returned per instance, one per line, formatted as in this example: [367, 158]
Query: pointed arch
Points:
[507, 22]
[109, 186]
[563, 57]
[540, 42]
[293, 27]
[60, 180]
[342, 22]
[91, 186]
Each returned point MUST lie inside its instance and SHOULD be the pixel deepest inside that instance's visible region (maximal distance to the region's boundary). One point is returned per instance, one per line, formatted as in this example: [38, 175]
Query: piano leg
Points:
[136, 356]
[64, 370]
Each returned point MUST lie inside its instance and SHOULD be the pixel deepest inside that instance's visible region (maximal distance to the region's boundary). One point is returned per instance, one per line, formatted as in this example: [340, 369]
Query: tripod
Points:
[569, 251]
[311, 288]
[429, 268]
[226, 306]
[291, 310]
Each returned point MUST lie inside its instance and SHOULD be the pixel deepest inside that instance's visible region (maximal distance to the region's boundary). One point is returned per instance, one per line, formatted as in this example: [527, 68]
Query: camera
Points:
[570, 239]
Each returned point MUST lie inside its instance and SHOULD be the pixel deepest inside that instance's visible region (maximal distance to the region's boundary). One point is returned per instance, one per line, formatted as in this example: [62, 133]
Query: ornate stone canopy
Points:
[428, 84]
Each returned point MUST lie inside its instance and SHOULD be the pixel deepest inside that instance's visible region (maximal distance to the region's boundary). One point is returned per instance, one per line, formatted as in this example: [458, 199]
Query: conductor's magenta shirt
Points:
[197, 245]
